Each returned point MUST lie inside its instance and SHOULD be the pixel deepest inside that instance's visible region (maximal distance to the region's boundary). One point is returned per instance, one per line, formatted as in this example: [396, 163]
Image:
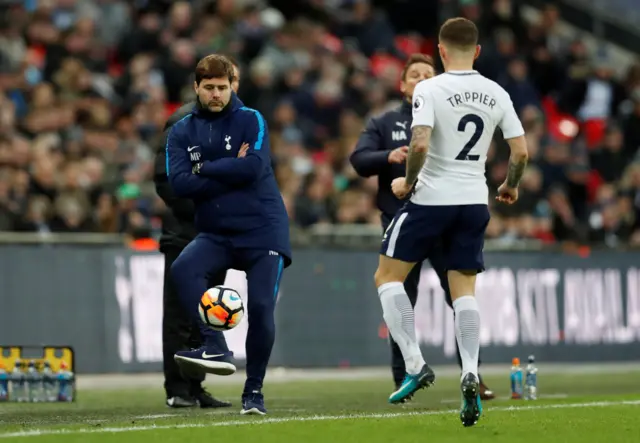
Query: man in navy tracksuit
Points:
[382, 150]
[218, 155]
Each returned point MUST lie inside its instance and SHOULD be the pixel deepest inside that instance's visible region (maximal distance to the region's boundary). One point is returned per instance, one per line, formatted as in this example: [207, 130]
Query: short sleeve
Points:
[510, 123]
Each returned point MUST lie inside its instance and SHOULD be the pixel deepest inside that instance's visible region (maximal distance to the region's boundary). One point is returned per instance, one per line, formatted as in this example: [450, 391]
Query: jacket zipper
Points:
[210, 129]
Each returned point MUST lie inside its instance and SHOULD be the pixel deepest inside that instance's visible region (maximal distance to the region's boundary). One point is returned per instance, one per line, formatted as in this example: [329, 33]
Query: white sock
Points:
[398, 314]
[467, 322]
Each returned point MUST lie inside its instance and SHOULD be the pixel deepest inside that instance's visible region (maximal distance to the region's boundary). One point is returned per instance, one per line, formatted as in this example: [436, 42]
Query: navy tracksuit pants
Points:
[209, 254]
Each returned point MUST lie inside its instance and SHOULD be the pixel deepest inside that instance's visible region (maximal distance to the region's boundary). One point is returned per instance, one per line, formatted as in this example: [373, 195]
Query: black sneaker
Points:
[206, 400]
[180, 401]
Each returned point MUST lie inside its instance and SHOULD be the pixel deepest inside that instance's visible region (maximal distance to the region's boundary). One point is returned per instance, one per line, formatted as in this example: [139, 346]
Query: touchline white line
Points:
[268, 421]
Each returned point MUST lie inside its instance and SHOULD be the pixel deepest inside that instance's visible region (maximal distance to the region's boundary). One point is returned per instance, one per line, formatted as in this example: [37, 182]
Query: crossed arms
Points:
[220, 176]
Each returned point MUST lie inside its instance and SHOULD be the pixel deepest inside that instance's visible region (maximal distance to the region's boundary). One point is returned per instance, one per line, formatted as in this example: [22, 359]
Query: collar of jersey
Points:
[471, 72]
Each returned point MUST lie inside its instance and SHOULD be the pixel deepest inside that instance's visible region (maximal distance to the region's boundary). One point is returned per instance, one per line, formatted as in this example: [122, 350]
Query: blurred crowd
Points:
[86, 86]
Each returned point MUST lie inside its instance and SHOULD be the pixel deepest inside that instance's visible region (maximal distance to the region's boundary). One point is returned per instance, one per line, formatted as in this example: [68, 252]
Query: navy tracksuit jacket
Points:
[239, 214]
[233, 197]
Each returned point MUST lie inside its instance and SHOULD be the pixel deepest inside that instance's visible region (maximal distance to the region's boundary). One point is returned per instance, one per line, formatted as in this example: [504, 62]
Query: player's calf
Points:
[399, 316]
[467, 319]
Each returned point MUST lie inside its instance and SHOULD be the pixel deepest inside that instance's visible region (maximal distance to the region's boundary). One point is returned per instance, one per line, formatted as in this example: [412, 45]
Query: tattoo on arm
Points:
[420, 137]
[515, 171]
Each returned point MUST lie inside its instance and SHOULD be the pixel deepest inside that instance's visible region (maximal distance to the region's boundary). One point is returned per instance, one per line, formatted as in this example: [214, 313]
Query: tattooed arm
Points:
[508, 191]
[418, 148]
[517, 161]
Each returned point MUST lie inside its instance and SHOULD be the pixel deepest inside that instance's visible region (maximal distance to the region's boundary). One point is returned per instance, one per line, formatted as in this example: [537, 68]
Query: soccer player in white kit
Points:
[455, 116]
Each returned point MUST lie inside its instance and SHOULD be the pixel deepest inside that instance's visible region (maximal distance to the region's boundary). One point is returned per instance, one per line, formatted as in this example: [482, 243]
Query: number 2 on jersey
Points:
[479, 127]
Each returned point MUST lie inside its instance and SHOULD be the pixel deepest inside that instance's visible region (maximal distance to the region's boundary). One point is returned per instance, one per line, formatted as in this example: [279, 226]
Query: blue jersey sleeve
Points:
[179, 170]
[245, 170]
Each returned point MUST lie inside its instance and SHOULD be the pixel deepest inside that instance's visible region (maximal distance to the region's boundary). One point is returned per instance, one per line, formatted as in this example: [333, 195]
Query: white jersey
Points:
[463, 108]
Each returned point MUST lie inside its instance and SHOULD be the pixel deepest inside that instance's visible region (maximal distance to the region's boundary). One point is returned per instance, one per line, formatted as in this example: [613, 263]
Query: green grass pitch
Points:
[587, 407]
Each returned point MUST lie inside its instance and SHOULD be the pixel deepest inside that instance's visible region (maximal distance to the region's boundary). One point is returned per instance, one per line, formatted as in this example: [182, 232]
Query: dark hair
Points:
[459, 33]
[414, 59]
[214, 66]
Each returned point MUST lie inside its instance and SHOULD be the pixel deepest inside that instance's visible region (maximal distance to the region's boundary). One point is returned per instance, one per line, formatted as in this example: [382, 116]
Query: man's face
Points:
[235, 84]
[416, 73]
[214, 93]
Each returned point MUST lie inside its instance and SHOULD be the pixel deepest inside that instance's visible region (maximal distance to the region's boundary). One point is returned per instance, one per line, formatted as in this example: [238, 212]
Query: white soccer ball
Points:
[221, 308]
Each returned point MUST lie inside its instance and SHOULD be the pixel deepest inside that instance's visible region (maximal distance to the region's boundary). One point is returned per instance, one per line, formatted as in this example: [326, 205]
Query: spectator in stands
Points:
[516, 82]
[565, 225]
[607, 225]
[85, 88]
[596, 96]
[370, 28]
[609, 160]
[632, 127]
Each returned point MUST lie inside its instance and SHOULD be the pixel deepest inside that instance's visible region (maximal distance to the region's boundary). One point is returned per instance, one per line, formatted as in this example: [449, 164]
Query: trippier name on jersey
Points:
[474, 97]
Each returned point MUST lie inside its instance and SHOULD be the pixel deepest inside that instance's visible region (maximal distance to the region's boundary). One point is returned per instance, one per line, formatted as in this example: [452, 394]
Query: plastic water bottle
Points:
[516, 379]
[4, 384]
[49, 382]
[18, 383]
[34, 382]
[531, 380]
[65, 383]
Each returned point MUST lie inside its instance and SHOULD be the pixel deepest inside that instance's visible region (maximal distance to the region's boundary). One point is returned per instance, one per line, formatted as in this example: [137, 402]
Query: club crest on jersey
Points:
[227, 139]
[418, 103]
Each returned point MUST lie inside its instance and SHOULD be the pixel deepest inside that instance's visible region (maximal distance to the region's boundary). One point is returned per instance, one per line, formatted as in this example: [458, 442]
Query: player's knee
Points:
[383, 276]
[468, 272]
[261, 309]
[462, 282]
[380, 278]
[390, 273]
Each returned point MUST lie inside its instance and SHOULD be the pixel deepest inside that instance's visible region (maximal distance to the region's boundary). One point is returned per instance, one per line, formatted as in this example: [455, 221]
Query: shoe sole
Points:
[427, 380]
[209, 367]
[470, 413]
[252, 411]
